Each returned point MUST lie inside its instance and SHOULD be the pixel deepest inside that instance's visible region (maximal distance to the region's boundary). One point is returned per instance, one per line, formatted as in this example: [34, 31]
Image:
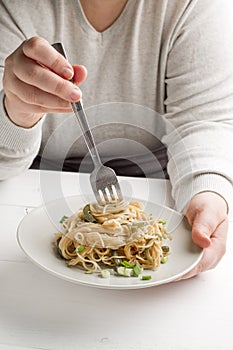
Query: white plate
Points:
[36, 234]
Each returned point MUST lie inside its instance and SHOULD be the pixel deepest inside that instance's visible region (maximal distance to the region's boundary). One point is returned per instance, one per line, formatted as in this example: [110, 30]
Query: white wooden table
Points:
[40, 311]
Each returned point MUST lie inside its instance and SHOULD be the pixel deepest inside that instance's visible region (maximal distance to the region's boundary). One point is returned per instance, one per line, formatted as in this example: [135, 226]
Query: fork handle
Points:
[82, 119]
[87, 134]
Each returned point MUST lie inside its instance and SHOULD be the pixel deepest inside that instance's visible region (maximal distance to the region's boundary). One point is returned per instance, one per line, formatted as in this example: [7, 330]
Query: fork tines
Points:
[110, 194]
[105, 185]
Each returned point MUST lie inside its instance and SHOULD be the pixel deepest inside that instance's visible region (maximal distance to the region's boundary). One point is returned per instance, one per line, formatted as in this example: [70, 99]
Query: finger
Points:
[28, 110]
[34, 96]
[40, 50]
[213, 254]
[33, 74]
[80, 74]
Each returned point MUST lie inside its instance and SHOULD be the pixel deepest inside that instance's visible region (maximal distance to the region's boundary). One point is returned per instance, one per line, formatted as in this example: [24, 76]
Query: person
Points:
[173, 57]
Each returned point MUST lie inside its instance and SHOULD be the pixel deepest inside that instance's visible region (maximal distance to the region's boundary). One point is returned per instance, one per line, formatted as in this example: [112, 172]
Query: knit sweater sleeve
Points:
[18, 146]
[199, 102]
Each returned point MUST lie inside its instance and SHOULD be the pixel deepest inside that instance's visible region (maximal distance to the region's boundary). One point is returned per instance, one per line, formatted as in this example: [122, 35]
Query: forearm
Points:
[197, 165]
[199, 104]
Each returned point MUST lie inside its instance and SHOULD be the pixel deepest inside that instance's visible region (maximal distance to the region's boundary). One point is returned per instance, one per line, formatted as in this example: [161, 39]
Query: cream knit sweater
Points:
[162, 72]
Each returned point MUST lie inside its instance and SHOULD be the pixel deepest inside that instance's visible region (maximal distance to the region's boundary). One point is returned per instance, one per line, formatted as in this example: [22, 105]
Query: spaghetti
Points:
[108, 236]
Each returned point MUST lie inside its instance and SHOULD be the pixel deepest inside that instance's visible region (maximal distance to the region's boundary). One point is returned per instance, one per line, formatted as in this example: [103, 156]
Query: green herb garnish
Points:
[105, 273]
[124, 271]
[146, 278]
[80, 249]
[63, 219]
[126, 264]
[137, 270]
[163, 222]
[164, 260]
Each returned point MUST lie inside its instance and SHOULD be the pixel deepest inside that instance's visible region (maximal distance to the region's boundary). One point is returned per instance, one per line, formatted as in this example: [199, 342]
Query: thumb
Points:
[202, 230]
[80, 74]
[205, 212]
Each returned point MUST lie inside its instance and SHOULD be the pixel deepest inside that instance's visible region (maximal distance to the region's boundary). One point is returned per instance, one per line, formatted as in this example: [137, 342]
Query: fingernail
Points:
[67, 73]
[75, 95]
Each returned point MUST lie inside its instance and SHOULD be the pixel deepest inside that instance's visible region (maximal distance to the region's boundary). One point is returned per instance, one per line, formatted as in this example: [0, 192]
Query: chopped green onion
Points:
[137, 270]
[126, 264]
[146, 278]
[164, 260]
[63, 219]
[80, 249]
[105, 273]
[89, 272]
[124, 271]
[163, 222]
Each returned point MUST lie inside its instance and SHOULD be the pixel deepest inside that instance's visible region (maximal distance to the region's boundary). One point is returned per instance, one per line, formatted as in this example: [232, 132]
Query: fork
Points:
[103, 179]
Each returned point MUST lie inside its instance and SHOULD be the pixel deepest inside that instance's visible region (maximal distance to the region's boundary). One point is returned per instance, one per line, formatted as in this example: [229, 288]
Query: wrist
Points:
[22, 120]
[210, 198]
[216, 197]
[207, 182]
